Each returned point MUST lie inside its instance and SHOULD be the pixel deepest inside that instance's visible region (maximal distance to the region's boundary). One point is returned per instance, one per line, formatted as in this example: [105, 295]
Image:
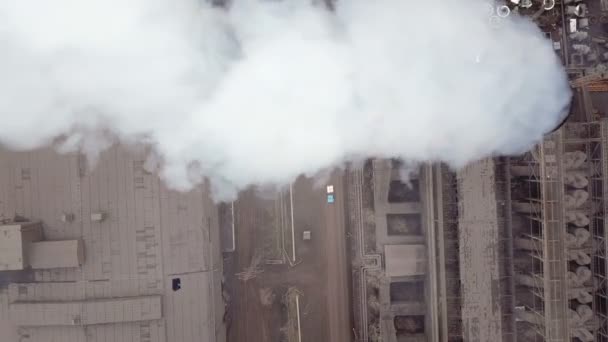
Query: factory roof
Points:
[116, 310]
[55, 254]
[149, 237]
[13, 237]
[405, 260]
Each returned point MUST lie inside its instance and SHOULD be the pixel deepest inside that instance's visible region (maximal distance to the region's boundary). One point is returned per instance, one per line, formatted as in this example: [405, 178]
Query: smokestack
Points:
[565, 115]
[503, 11]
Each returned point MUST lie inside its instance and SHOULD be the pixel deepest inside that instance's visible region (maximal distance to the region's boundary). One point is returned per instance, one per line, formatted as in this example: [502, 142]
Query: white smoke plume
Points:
[266, 90]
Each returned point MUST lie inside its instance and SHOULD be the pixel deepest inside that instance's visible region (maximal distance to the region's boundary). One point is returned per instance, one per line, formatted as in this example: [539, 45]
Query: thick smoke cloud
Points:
[265, 91]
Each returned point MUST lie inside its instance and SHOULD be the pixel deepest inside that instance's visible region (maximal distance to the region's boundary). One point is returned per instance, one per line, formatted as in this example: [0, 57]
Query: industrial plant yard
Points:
[319, 273]
[429, 212]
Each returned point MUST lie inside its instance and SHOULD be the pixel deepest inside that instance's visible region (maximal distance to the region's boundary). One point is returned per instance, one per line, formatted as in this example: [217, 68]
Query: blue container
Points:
[330, 198]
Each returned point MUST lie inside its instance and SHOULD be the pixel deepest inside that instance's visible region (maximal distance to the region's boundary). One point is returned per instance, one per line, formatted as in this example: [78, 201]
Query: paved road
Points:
[337, 265]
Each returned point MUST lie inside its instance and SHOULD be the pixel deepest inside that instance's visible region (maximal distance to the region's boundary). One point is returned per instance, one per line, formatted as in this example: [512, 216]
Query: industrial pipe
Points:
[577, 218]
[582, 236]
[575, 199]
[581, 295]
[583, 334]
[580, 257]
[584, 312]
[576, 179]
[578, 278]
[574, 160]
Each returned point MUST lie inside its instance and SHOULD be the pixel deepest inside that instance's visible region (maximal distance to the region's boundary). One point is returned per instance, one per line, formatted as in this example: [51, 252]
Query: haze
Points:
[265, 91]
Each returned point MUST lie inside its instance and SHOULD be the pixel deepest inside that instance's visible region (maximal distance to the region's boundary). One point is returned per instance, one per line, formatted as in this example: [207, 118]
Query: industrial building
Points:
[105, 253]
[419, 253]
[394, 259]
[401, 241]
[558, 204]
[21, 247]
[506, 248]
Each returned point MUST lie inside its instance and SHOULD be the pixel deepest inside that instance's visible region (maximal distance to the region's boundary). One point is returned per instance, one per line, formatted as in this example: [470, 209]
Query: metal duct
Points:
[583, 334]
[574, 320]
[575, 199]
[577, 218]
[574, 160]
[529, 170]
[576, 179]
[581, 295]
[570, 240]
[577, 320]
[582, 236]
[578, 279]
[585, 313]
[583, 273]
[580, 257]
[578, 239]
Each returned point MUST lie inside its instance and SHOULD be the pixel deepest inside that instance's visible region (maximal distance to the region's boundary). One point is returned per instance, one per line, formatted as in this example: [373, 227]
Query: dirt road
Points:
[321, 272]
[249, 319]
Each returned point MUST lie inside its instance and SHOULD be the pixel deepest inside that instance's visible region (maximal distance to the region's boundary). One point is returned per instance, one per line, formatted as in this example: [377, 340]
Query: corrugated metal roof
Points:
[103, 311]
[55, 254]
[151, 235]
